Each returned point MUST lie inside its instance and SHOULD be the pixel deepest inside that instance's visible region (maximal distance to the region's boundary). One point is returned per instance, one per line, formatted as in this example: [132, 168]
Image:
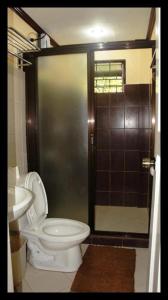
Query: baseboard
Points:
[121, 239]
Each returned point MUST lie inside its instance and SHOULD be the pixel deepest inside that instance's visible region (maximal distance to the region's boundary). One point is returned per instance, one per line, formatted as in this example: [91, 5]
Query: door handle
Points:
[148, 162]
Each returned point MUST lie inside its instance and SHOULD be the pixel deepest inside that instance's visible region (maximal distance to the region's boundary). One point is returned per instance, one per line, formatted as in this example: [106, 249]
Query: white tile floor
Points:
[48, 281]
[123, 219]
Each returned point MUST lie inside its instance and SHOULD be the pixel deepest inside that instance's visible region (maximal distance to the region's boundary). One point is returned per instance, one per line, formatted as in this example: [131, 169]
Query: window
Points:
[109, 76]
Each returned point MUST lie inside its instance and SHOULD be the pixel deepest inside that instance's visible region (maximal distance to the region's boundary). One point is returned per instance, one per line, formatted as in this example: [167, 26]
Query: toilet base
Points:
[67, 260]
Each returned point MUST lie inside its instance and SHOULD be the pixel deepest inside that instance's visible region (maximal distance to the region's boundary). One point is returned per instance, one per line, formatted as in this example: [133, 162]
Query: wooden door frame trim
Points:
[78, 48]
[151, 23]
[24, 16]
[91, 129]
[32, 137]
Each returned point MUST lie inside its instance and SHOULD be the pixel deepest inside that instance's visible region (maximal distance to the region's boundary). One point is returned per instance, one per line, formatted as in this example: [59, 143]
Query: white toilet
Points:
[53, 243]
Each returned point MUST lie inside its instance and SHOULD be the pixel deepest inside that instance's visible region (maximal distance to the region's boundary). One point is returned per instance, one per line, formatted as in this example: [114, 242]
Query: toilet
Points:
[52, 243]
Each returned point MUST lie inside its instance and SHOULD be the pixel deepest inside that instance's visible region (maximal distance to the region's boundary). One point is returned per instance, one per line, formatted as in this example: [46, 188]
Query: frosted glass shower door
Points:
[63, 134]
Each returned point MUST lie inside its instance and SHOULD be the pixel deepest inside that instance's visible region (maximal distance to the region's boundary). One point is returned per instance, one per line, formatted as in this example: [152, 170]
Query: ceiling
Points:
[91, 24]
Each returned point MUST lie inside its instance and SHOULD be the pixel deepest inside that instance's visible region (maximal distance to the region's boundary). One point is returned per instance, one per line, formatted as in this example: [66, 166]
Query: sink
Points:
[19, 200]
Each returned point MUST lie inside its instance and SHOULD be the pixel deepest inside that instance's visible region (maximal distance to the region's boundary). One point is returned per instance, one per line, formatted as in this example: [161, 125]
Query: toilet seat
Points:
[60, 230]
[39, 209]
[50, 229]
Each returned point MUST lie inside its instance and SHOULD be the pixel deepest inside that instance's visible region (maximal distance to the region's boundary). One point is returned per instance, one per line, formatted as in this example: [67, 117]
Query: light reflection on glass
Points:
[153, 120]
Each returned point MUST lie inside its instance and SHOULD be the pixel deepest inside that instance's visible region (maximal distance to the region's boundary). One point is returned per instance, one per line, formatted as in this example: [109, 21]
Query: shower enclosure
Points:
[72, 138]
[123, 139]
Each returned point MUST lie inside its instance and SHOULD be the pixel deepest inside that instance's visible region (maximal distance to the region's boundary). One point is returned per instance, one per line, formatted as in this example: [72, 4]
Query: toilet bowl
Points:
[53, 243]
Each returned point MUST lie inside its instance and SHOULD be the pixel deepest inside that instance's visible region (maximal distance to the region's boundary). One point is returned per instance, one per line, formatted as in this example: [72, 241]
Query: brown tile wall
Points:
[123, 131]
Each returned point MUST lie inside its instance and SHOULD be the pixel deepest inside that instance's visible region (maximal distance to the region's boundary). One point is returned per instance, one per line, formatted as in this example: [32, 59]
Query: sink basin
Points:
[19, 200]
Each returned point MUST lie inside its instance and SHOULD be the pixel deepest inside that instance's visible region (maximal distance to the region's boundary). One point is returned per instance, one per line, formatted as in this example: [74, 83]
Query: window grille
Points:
[109, 76]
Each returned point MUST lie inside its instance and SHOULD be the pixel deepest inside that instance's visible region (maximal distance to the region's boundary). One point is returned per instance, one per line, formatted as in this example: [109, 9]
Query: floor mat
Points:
[106, 269]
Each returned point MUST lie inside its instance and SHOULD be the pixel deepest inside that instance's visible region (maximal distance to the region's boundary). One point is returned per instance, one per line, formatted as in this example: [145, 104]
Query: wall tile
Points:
[117, 139]
[117, 99]
[106, 240]
[131, 139]
[132, 182]
[145, 117]
[103, 139]
[132, 160]
[102, 117]
[142, 200]
[116, 198]
[117, 160]
[143, 182]
[102, 160]
[102, 198]
[131, 117]
[127, 138]
[138, 242]
[132, 94]
[144, 94]
[101, 99]
[116, 117]
[144, 139]
[102, 181]
[131, 199]
[117, 181]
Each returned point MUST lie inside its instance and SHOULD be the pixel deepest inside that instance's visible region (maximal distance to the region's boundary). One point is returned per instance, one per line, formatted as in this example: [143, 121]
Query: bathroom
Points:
[83, 113]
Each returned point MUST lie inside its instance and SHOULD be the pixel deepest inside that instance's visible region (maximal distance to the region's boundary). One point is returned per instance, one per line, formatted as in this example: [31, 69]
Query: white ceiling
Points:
[71, 25]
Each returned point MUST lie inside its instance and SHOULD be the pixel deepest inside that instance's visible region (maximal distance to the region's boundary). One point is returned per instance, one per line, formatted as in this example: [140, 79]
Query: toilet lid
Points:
[39, 208]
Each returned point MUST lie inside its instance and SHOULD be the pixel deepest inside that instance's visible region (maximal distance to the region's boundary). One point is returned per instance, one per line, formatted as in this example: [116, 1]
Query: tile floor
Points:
[47, 281]
[124, 219]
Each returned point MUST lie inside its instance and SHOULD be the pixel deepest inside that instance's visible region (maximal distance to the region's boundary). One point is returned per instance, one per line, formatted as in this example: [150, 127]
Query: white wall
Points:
[137, 63]
[17, 153]
[20, 120]
[11, 118]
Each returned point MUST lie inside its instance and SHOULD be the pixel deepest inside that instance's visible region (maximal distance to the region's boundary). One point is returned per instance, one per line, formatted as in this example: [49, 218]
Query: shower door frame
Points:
[32, 136]
[116, 238]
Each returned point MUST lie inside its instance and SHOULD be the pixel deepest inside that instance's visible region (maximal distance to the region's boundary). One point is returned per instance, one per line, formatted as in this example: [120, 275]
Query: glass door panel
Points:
[63, 134]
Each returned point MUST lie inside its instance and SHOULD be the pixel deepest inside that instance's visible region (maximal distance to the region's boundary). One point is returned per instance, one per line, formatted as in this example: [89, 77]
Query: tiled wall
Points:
[123, 130]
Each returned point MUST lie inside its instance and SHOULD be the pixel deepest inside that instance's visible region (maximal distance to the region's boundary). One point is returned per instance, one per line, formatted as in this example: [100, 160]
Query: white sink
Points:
[19, 200]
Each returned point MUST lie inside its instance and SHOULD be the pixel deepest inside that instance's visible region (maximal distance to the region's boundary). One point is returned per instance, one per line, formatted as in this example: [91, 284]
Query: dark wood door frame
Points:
[32, 120]
[114, 237]
[77, 48]
[151, 23]
[32, 136]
